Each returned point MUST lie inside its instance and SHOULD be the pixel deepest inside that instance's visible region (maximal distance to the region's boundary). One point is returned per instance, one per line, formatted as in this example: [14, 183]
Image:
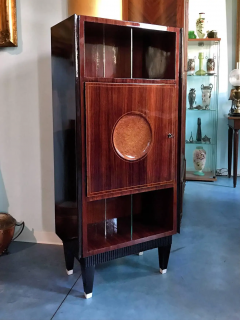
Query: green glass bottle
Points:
[200, 72]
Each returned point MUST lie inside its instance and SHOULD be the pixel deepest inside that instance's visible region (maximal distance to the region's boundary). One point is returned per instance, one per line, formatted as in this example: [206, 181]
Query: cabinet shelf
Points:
[208, 177]
[205, 76]
[112, 233]
[114, 51]
[199, 143]
[202, 110]
[112, 222]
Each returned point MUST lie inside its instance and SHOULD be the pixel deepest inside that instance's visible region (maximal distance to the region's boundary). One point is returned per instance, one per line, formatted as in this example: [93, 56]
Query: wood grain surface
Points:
[105, 105]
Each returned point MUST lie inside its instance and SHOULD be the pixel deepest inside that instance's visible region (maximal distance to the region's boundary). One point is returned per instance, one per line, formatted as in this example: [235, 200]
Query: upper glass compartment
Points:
[113, 51]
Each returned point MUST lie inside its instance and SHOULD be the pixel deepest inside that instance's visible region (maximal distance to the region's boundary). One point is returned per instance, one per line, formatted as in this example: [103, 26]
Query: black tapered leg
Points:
[88, 278]
[69, 256]
[230, 136]
[163, 255]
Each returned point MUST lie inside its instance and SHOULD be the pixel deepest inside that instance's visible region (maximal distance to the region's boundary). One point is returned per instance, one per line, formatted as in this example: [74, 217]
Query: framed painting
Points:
[8, 23]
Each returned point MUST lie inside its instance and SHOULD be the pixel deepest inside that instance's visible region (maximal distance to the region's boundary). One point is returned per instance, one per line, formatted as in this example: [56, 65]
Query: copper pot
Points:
[7, 228]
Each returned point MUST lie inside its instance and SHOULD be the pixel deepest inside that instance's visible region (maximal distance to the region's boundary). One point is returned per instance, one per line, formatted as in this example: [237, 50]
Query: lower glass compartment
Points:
[129, 218]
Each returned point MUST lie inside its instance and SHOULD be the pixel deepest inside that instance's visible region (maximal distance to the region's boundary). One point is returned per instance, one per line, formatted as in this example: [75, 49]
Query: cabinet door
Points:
[128, 141]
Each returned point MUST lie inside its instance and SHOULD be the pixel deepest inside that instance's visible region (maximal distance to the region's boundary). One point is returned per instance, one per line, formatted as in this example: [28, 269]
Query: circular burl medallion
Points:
[132, 136]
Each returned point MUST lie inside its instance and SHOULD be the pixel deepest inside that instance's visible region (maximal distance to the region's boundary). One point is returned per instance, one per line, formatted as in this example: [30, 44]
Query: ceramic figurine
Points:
[211, 66]
[205, 139]
[191, 98]
[206, 95]
[199, 160]
[191, 35]
[200, 26]
[212, 34]
[201, 72]
[191, 138]
[199, 131]
[198, 107]
[191, 67]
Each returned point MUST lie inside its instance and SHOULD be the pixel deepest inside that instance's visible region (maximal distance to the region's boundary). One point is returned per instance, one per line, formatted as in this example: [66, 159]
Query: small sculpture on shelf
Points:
[192, 98]
[199, 131]
[206, 95]
[191, 138]
[191, 67]
[211, 66]
[191, 35]
[200, 72]
[212, 34]
[198, 107]
[205, 139]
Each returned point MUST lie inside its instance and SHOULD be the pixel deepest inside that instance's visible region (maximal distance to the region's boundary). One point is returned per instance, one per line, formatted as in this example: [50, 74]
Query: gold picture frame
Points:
[8, 23]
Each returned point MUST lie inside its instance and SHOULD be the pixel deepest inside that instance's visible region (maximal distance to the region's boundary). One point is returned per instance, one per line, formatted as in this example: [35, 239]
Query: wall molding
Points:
[40, 237]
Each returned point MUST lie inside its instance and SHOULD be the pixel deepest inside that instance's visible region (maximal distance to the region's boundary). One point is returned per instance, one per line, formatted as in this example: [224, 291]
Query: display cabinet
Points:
[202, 107]
[116, 105]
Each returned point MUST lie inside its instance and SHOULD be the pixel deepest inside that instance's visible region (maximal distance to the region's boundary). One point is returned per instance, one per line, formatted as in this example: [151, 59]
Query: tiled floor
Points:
[203, 279]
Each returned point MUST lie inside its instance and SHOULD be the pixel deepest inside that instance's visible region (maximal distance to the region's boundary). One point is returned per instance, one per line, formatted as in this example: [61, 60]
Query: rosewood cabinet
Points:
[116, 111]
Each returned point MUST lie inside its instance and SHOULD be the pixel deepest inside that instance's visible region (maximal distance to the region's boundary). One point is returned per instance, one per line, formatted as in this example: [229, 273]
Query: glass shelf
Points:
[206, 75]
[201, 110]
[199, 143]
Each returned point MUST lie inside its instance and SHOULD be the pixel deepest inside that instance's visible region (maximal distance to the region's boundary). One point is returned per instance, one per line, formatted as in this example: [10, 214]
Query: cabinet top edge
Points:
[123, 23]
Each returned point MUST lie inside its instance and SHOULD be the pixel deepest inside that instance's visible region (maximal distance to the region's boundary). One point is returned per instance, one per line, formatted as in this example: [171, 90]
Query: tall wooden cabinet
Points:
[116, 109]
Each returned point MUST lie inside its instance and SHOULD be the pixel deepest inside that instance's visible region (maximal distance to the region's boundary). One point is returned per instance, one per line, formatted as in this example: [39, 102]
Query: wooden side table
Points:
[233, 127]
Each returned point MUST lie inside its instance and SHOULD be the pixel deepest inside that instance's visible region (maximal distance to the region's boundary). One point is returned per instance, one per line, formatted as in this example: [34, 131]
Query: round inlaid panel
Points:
[132, 136]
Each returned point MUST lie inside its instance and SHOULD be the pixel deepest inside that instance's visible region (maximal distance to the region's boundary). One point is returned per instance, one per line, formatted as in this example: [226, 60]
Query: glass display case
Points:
[202, 109]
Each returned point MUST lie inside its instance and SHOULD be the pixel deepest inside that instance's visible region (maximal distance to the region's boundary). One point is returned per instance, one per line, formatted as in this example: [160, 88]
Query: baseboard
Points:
[40, 237]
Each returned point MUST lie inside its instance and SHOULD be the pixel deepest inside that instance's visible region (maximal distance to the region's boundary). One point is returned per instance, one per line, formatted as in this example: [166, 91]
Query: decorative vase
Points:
[191, 67]
[199, 131]
[201, 72]
[211, 66]
[191, 97]
[206, 95]
[200, 26]
[199, 160]
[7, 228]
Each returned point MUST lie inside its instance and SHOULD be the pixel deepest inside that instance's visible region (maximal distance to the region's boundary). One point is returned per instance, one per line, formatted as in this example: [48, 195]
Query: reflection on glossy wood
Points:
[162, 12]
[154, 54]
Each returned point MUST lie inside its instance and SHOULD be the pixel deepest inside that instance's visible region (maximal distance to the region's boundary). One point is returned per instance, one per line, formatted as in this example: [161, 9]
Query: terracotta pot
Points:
[7, 228]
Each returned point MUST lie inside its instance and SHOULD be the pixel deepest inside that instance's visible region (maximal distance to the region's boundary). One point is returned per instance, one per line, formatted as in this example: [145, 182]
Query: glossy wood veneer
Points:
[69, 50]
[105, 105]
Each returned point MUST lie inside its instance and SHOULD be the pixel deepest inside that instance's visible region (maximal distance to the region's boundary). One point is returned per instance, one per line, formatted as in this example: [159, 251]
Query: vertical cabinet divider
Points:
[131, 53]
[104, 53]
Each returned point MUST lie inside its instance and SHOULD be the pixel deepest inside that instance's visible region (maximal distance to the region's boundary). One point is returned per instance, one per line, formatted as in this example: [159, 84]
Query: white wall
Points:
[26, 143]
[220, 15]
